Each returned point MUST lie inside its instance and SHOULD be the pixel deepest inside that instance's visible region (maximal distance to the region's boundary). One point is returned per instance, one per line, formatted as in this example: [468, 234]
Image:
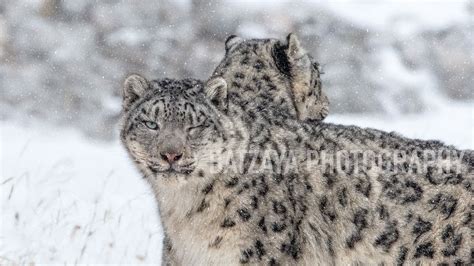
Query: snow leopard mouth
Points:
[185, 171]
[173, 169]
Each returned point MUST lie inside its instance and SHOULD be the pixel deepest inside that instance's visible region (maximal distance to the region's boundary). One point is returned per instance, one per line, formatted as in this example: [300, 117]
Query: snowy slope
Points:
[66, 199]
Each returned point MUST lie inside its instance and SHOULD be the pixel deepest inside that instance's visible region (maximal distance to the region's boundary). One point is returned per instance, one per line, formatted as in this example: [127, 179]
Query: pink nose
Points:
[171, 157]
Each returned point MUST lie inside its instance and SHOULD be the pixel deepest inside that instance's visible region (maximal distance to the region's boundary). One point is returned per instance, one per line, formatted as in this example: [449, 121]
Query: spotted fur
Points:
[309, 216]
[281, 73]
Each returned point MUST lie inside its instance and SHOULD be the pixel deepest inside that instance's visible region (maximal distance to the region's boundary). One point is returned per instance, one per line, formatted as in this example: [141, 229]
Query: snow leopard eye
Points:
[151, 125]
[195, 130]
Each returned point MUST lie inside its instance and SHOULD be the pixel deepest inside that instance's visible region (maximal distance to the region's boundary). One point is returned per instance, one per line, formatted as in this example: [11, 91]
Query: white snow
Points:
[67, 199]
[380, 14]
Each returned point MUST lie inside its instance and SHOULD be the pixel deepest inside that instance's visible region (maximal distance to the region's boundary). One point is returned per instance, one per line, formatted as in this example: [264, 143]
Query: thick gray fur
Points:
[281, 71]
[390, 214]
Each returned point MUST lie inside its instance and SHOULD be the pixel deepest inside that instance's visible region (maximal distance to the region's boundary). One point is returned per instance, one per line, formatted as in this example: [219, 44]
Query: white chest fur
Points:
[197, 237]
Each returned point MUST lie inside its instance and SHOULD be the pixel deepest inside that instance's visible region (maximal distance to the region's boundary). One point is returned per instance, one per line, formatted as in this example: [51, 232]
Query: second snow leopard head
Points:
[273, 72]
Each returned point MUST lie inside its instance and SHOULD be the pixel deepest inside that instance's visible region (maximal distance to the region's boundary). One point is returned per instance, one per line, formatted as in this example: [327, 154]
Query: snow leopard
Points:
[281, 72]
[242, 186]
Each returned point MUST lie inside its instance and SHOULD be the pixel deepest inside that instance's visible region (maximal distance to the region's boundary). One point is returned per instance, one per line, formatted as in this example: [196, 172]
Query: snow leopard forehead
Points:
[187, 89]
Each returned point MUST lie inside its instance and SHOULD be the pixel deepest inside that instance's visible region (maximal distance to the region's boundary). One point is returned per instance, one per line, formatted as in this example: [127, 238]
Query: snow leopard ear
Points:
[134, 87]
[231, 42]
[295, 50]
[216, 91]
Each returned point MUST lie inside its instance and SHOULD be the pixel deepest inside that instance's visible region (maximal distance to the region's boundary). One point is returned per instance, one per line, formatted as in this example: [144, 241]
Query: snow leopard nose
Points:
[171, 157]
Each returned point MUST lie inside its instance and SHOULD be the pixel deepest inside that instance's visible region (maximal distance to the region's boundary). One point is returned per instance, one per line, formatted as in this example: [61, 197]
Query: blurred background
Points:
[68, 192]
[63, 60]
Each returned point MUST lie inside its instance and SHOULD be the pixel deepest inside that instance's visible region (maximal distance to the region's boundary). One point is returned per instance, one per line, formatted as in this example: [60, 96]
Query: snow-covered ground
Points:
[67, 199]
